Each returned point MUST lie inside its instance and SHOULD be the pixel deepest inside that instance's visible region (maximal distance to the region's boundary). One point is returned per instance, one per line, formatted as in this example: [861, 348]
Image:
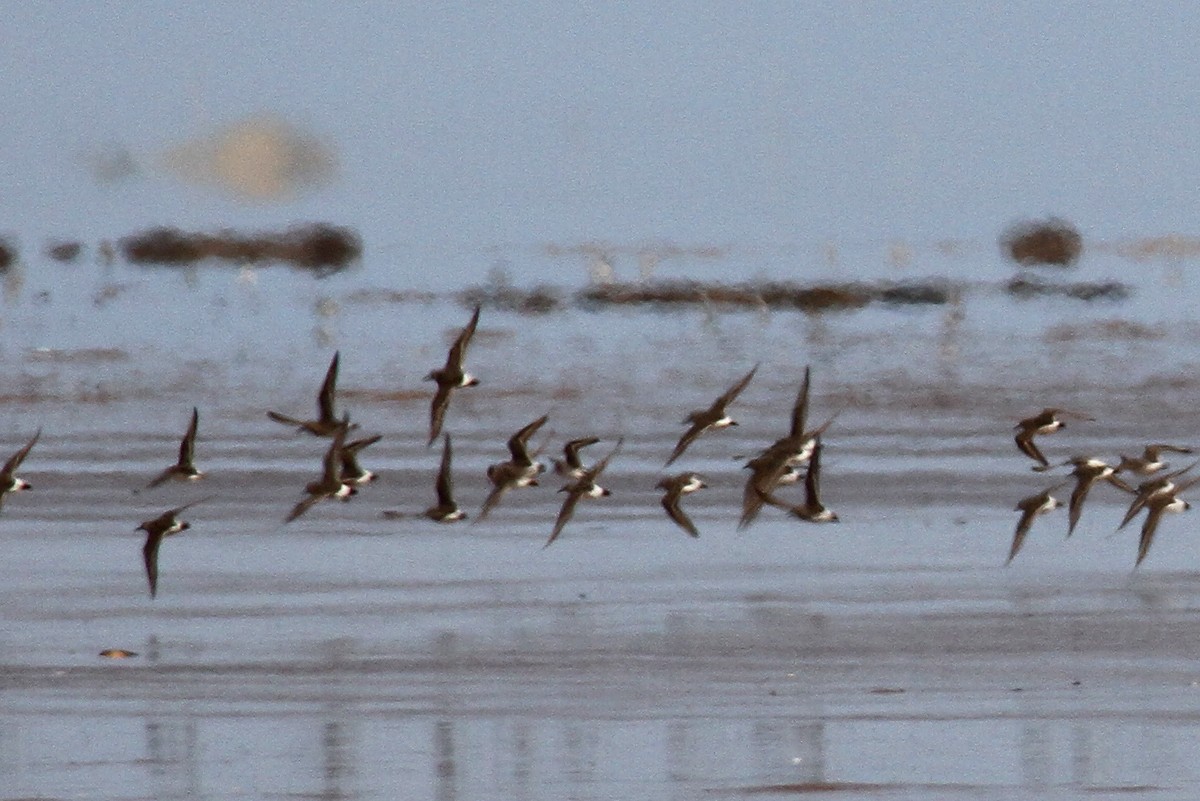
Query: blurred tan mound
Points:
[1053, 241]
[261, 158]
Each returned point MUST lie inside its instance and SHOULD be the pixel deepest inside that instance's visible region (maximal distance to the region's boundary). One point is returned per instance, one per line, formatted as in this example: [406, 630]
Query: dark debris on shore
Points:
[320, 247]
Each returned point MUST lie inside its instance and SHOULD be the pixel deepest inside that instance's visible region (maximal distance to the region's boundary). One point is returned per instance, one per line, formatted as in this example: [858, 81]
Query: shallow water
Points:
[350, 656]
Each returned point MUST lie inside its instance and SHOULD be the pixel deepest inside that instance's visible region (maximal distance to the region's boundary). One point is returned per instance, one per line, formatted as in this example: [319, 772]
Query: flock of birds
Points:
[1156, 494]
[791, 458]
[777, 465]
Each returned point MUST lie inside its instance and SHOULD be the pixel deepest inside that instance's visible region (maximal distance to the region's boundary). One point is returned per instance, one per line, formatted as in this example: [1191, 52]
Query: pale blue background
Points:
[531, 122]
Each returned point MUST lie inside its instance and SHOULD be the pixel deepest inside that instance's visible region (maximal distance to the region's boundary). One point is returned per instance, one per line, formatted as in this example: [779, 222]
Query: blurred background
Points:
[468, 126]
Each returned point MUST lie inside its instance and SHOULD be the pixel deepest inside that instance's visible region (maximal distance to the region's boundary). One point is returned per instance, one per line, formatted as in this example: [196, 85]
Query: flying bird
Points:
[9, 481]
[1046, 421]
[1157, 506]
[777, 460]
[185, 468]
[1030, 508]
[519, 471]
[164, 525]
[330, 484]
[714, 417]
[327, 422]
[450, 377]
[1087, 471]
[583, 487]
[674, 488]
[1150, 462]
[1158, 485]
[812, 510]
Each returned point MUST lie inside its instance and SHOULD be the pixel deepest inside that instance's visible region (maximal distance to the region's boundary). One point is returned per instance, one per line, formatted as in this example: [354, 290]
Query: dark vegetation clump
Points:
[64, 251]
[8, 254]
[928, 293]
[539, 300]
[320, 247]
[1023, 288]
[768, 294]
[1053, 241]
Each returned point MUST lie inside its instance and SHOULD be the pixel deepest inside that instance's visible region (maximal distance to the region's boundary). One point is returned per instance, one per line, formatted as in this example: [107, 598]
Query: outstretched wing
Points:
[187, 446]
[564, 514]
[325, 399]
[445, 484]
[670, 503]
[458, 350]
[15, 460]
[437, 411]
[686, 440]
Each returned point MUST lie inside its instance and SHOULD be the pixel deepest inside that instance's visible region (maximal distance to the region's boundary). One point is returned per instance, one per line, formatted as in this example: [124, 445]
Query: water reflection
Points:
[527, 757]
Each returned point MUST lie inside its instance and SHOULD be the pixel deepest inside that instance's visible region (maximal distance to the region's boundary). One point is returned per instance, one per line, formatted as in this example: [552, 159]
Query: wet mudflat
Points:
[348, 655]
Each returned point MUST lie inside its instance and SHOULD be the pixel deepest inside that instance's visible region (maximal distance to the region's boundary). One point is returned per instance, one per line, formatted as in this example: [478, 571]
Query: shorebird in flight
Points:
[450, 377]
[1046, 421]
[714, 417]
[812, 509]
[519, 471]
[1150, 462]
[776, 462]
[1087, 471]
[1163, 484]
[9, 481]
[330, 484]
[185, 468]
[583, 487]
[164, 525]
[1030, 508]
[1156, 507]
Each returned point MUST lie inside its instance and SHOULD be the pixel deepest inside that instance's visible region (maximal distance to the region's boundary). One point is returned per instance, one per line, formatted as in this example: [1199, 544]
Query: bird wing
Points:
[1148, 529]
[15, 460]
[162, 477]
[283, 418]
[564, 514]
[670, 502]
[303, 506]
[187, 446]
[1023, 526]
[445, 484]
[437, 411]
[518, 443]
[1025, 443]
[572, 448]
[332, 463]
[492, 500]
[325, 399]
[812, 478]
[687, 439]
[730, 394]
[150, 557]
[800, 408]
[1078, 496]
[458, 350]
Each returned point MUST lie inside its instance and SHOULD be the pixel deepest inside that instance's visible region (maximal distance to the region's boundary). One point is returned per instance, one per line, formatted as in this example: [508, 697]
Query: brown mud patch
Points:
[320, 247]
[1039, 242]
